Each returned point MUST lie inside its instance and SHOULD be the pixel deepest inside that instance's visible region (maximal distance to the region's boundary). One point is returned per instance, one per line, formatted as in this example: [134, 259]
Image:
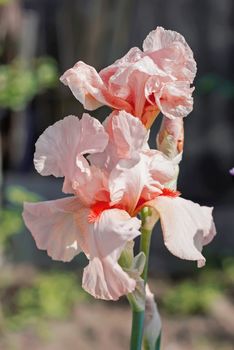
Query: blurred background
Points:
[42, 305]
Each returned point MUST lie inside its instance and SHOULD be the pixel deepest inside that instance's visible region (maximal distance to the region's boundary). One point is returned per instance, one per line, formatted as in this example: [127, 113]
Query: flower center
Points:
[98, 207]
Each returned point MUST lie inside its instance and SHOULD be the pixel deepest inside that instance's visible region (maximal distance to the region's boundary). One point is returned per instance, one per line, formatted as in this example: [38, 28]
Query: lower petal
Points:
[103, 242]
[53, 226]
[106, 280]
[186, 227]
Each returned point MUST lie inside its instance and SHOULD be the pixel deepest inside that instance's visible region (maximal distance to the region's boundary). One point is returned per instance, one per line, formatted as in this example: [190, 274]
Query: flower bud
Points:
[170, 139]
[152, 326]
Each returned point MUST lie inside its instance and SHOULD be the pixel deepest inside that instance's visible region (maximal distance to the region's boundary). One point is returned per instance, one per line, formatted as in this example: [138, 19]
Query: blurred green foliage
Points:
[190, 297]
[197, 296]
[51, 295]
[19, 83]
[212, 82]
[4, 2]
[11, 214]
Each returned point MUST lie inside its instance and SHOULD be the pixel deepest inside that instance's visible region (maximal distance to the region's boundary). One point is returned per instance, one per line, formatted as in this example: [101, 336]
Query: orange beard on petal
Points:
[98, 208]
[167, 192]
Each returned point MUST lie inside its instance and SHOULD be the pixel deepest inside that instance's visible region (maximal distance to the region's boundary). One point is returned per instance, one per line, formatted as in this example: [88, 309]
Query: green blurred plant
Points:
[4, 2]
[11, 215]
[51, 296]
[189, 297]
[228, 268]
[193, 297]
[212, 82]
[20, 83]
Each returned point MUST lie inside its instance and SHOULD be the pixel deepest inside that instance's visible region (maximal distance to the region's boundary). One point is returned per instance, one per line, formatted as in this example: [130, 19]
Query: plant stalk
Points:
[139, 315]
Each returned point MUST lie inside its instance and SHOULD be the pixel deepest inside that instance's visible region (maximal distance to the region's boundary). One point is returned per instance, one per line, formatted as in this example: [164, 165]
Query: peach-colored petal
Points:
[106, 280]
[131, 180]
[88, 87]
[161, 168]
[122, 85]
[132, 56]
[131, 79]
[127, 181]
[126, 132]
[92, 187]
[186, 227]
[127, 136]
[60, 148]
[173, 98]
[103, 242]
[53, 226]
[172, 53]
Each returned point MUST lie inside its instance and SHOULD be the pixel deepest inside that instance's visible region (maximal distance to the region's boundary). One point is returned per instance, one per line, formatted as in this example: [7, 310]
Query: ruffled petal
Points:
[59, 149]
[126, 132]
[53, 226]
[173, 98]
[93, 187]
[132, 79]
[103, 242]
[131, 182]
[89, 89]
[106, 280]
[186, 227]
[160, 167]
[172, 53]
[132, 56]
[127, 136]
[127, 181]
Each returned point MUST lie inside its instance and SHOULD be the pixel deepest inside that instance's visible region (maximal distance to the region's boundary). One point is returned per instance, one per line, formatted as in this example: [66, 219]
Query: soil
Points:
[103, 326]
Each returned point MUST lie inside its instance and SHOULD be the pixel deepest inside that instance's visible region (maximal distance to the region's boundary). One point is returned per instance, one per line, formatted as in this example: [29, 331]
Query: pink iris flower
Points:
[108, 188]
[142, 83]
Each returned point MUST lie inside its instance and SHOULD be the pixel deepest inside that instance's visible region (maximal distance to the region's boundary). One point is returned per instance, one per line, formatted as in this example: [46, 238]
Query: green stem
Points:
[158, 343]
[137, 329]
[145, 247]
[139, 315]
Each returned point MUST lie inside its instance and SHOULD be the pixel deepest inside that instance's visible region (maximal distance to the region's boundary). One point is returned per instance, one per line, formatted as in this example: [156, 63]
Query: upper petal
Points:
[161, 168]
[53, 226]
[126, 132]
[127, 136]
[60, 148]
[186, 226]
[132, 56]
[174, 52]
[127, 181]
[92, 187]
[131, 181]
